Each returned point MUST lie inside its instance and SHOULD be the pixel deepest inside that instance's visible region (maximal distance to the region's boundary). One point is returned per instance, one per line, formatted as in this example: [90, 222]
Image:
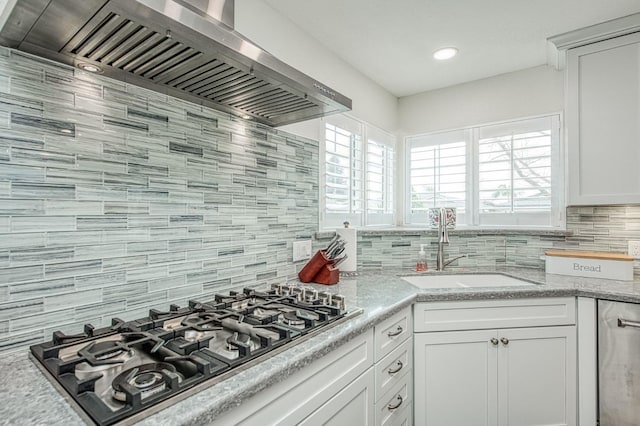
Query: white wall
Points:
[291, 44]
[524, 93]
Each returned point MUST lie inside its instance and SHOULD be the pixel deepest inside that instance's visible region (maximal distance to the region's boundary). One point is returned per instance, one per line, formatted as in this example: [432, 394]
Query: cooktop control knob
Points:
[311, 295]
[338, 301]
[298, 293]
[325, 298]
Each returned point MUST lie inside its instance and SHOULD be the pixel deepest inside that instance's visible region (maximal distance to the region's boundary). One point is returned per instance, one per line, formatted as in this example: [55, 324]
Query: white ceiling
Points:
[391, 41]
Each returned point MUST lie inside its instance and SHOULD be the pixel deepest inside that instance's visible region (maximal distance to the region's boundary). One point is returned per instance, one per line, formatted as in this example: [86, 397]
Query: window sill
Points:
[402, 231]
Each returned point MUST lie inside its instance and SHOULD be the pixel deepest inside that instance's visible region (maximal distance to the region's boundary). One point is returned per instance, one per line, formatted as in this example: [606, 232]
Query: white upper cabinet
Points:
[603, 122]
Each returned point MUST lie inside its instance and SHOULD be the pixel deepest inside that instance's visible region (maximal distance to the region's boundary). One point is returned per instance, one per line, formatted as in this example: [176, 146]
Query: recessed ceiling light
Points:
[246, 117]
[445, 53]
[89, 67]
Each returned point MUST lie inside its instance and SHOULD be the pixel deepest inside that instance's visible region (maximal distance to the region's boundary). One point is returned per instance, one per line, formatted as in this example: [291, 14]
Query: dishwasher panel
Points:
[619, 363]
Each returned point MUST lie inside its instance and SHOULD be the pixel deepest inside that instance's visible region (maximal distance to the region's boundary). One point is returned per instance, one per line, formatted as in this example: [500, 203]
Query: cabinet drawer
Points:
[302, 393]
[392, 368]
[483, 314]
[392, 407]
[391, 332]
[402, 418]
[353, 405]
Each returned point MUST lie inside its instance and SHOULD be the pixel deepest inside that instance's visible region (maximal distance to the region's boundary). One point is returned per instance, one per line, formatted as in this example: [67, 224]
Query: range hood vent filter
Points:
[160, 53]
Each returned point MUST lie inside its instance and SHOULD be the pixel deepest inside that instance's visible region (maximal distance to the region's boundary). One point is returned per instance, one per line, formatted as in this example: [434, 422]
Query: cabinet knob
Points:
[494, 341]
[398, 368]
[395, 406]
[504, 341]
[398, 332]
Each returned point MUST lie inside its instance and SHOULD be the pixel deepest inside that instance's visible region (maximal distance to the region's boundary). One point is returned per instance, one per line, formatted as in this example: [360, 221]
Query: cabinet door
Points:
[352, 406]
[603, 112]
[456, 378]
[537, 376]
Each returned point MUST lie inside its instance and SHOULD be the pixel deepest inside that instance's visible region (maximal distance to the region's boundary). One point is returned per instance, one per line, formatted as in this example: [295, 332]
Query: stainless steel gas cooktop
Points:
[116, 373]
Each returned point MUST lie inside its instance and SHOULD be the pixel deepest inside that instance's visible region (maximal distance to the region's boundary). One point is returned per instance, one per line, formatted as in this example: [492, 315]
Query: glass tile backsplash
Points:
[597, 228]
[115, 200]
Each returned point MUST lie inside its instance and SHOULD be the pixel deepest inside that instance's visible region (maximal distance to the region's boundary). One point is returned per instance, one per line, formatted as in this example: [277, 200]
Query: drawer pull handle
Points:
[504, 341]
[392, 407]
[494, 341]
[398, 332]
[628, 323]
[399, 364]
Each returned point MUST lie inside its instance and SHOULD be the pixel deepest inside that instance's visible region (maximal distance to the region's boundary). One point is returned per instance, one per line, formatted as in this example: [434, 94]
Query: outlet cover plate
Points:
[301, 250]
[634, 249]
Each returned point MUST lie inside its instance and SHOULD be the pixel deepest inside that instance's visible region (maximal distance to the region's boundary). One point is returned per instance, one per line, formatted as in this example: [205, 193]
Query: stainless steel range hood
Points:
[184, 48]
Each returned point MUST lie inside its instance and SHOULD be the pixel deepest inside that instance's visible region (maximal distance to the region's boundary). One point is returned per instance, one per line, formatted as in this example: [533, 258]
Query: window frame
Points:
[556, 214]
[366, 132]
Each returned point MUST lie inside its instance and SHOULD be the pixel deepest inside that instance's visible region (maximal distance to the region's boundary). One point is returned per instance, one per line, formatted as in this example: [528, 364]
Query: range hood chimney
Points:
[184, 48]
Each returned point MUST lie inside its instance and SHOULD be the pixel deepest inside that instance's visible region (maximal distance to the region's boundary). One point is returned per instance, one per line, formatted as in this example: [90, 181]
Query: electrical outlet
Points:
[301, 250]
[634, 249]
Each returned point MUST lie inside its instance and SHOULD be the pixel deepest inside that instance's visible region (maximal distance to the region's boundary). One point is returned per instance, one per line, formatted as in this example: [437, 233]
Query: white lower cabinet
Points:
[504, 377]
[368, 381]
[536, 376]
[393, 348]
[456, 378]
[352, 406]
[335, 389]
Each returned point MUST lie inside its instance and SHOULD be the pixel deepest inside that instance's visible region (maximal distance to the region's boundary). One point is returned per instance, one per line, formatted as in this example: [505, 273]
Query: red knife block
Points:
[319, 269]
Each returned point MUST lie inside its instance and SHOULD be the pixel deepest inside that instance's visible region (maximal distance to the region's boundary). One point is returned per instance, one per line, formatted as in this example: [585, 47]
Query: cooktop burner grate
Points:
[116, 373]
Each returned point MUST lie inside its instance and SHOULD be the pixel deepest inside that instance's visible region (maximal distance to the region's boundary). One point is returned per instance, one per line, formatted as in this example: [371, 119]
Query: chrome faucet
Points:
[443, 238]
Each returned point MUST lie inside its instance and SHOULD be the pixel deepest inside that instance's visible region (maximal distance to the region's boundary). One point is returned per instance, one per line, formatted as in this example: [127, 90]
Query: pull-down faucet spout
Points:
[443, 238]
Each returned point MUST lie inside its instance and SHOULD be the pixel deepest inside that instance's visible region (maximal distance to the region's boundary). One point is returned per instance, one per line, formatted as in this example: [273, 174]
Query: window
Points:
[358, 183]
[506, 174]
[380, 175]
[438, 173]
[343, 173]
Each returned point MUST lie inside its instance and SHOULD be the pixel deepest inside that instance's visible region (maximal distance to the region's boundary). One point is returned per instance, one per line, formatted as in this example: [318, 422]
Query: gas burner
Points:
[265, 313]
[201, 321]
[149, 379]
[292, 318]
[146, 380]
[261, 312]
[193, 335]
[299, 318]
[239, 338]
[191, 319]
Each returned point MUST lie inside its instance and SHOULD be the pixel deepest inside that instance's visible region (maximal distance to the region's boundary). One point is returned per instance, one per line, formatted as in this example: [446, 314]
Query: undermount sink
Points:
[464, 281]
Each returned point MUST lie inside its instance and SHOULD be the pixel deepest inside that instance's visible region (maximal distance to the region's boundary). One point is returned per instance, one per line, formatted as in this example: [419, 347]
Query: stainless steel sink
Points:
[465, 281]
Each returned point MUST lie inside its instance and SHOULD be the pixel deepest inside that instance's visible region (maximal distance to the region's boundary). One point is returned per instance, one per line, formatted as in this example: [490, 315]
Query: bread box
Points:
[592, 264]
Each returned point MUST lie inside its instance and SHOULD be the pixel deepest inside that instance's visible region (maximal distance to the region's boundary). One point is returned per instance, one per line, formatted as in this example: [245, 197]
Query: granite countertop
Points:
[29, 397]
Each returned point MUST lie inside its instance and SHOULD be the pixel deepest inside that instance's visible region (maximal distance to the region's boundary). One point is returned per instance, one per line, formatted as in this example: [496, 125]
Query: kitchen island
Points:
[29, 397]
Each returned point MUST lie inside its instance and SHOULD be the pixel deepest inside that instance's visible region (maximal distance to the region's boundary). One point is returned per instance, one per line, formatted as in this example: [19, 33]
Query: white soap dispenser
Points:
[421, 264]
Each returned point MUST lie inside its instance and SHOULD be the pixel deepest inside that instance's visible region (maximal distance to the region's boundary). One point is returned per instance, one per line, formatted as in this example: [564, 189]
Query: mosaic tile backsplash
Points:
[115, 199]
[599, 228]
